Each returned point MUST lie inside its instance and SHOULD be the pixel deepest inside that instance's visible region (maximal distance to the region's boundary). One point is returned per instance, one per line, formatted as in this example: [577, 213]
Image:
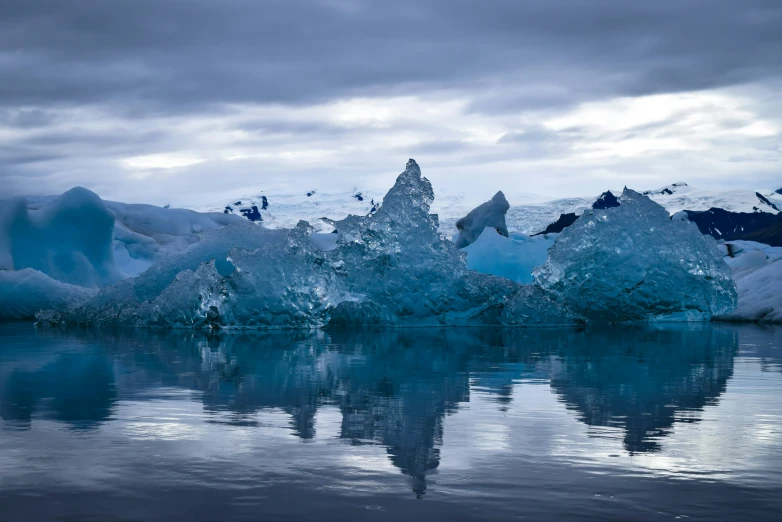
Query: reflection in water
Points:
[641, 380]
[392, 387]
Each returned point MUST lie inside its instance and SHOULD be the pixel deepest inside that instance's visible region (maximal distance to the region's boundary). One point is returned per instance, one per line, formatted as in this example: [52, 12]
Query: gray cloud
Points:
[140, 63]
[179, 55]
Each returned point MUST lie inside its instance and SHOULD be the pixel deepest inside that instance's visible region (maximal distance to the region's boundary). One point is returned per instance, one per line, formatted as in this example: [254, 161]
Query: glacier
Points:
[632, 263]
[393, 267]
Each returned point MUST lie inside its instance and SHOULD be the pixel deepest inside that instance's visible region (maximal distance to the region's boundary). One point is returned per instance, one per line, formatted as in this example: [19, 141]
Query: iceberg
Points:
[79, 239]
[70, 239]
[393, 267]
[634, 263]
[24, 292]
[757, 270]
[490, 214]
[144, 234]
[760, 295]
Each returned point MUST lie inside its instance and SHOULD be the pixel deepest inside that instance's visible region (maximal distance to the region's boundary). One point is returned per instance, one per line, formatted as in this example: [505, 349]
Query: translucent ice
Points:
[633, 263]
[512, 257]
[79, 239]
[392, 267]
[70, 239]
[25, 292]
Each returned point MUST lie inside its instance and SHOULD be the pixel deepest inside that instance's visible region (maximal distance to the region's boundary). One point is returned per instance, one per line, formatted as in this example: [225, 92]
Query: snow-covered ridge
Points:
[526, 217]
[533, 218]
[285, 210]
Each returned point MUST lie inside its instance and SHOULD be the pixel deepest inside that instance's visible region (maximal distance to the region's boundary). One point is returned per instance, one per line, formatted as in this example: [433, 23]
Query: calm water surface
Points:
[641, 423]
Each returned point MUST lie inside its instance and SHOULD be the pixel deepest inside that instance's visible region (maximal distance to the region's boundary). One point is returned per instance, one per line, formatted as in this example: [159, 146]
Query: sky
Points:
[188, 101]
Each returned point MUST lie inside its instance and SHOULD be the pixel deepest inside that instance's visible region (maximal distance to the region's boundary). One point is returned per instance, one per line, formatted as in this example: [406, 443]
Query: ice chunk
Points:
[69, 239]
[323, 241]
[79, 239]
[759, 294]
[757, 270]
[144, 234]
[490, 214]
[122, 303]
[632, 263]
[25, 292]
[512, 257]
[392, 267]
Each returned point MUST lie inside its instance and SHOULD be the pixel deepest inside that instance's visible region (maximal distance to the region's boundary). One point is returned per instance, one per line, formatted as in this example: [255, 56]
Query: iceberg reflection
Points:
[392, 387]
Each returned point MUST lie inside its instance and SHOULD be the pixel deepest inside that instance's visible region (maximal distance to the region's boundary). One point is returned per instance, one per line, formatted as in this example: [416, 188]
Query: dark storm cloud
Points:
[187, 55]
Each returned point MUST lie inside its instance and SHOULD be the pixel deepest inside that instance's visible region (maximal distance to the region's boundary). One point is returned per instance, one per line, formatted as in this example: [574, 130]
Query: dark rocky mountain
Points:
[770, 235]
[564, 221]
[606, 200]
[722, 224]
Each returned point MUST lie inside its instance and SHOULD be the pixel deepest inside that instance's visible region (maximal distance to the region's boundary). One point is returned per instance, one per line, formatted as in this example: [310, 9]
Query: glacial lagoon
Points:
[665, 422]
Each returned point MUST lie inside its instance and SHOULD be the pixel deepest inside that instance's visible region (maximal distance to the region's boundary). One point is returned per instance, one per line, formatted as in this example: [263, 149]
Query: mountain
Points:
[285, 210]
[722, 224]
[734, 214]
[529, 216]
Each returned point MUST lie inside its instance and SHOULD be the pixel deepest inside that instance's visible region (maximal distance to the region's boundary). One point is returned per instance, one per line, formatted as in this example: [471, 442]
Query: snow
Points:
[286, 210]
[535, 217]
[633, 262]
[680, 196]
[489, 214]
[511, 257]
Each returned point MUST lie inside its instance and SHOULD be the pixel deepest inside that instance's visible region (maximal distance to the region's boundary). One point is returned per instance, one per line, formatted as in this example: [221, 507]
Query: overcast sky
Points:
[183, 101]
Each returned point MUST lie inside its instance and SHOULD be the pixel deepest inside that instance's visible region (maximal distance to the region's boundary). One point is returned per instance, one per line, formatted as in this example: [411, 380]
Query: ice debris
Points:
[632, 263]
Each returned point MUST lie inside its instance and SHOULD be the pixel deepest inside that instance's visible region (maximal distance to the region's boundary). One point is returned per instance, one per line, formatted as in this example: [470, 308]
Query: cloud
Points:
[340, 92]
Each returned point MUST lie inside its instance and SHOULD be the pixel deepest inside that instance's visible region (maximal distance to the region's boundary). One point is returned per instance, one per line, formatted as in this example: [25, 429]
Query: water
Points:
[678, 422]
